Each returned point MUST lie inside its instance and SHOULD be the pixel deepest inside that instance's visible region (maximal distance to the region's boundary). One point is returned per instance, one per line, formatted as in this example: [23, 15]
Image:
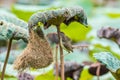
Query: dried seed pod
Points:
[53, 37]
[110, 33]
[93, 69]
[106, 32]
[37, 54]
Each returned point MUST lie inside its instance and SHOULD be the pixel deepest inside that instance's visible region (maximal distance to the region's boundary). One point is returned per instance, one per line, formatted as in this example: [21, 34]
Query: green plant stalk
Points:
[61, 54]
[56, 63]
[6, 59]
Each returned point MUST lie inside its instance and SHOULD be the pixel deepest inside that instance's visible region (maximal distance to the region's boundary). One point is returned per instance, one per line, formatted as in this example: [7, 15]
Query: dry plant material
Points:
[66, 42]
[56, 17]
[110, 33]
[37, 54]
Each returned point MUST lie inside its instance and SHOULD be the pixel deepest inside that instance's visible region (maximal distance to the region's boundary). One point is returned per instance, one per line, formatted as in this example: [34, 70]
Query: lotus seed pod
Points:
[37, 54]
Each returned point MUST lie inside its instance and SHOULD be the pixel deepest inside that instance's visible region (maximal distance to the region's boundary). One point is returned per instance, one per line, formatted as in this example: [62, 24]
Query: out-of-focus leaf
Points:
[13, 19]
[111, 62]
[10, 30]
[11, 26]
[85, 75]
[76, 56]
[22, 14]
[47, 76]
[12, 57]
[7, 77]
[9, 70]
[110, 33]
[75, 31]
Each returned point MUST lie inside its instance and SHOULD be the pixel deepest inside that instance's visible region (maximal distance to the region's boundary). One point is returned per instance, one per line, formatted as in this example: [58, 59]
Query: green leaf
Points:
[12, 27]
[58, 16]
[112, 63]
[75, 31]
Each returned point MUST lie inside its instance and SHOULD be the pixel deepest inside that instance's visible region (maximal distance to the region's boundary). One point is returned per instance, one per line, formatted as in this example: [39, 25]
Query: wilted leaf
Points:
[110, 33]
[56, 17]
[12, 27]
[53, 37]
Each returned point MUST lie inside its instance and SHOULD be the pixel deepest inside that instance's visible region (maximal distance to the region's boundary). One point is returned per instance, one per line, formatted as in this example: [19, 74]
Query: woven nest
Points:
[37, 54]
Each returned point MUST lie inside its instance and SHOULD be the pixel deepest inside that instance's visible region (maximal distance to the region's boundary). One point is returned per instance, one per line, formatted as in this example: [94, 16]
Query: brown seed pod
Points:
[37, 54]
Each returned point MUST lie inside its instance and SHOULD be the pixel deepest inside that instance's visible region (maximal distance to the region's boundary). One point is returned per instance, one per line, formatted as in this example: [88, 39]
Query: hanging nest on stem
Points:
[37, 54]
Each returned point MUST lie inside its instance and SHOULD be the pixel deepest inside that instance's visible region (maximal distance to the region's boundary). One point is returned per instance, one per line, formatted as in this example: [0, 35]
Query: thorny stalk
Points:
[6, 59]
[61, 54]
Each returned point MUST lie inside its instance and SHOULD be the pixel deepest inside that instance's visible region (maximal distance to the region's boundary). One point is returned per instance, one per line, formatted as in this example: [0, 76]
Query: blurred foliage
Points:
[7, 77]
[114, 15]
[75, 31]
[12, 27]
[50, 76]
[12, 57]
[85, 75]
[25, 15]
[100, 48]
[111, 62]
[87, 5]
[46, 76]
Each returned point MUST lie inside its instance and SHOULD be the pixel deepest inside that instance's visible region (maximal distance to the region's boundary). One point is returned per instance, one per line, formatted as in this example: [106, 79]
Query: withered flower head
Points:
[37, 54]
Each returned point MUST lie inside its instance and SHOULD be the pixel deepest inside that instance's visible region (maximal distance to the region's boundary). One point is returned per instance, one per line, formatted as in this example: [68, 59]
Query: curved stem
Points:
[61, 55]
[6, 59]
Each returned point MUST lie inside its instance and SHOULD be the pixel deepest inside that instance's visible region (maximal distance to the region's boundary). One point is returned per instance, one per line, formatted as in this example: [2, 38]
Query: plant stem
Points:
[61, 54]
[98, 72]
[56, 62]
[6, 59]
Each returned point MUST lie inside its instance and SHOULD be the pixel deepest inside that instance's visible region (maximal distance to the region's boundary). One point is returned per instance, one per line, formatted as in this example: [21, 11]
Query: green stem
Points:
[61, 55]
[6, 59]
